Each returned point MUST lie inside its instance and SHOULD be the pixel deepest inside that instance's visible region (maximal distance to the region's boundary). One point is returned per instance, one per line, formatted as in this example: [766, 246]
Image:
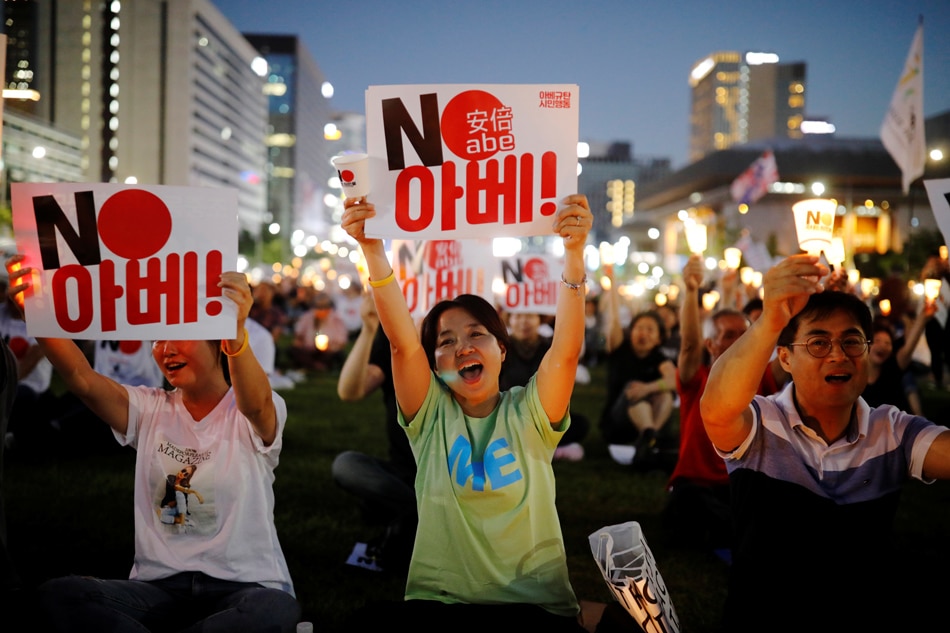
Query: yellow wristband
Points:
[385, 280]
[240, 351]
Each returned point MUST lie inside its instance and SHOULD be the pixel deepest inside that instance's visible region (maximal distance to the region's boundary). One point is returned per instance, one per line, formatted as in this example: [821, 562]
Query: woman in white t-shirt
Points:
[217, 565]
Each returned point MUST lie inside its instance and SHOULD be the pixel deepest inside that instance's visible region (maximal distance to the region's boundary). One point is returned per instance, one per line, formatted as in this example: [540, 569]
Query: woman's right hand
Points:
[356, 212]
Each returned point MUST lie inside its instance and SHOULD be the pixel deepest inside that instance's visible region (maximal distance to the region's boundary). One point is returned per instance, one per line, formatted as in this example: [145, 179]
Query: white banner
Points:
[902, 131]
[126, 262]
[470, 161]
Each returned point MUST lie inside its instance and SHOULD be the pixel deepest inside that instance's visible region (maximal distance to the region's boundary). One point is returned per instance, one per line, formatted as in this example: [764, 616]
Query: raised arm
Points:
[558, 368]
[252, 390]
[359, 378]
[613, 329]
[691, 325]
[106, 398]
[906, 353]
[734, 378]
[409, 359]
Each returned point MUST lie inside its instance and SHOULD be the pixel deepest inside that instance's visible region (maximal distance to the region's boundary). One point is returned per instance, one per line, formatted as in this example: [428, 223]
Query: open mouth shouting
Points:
[470, 372]
[838, 377]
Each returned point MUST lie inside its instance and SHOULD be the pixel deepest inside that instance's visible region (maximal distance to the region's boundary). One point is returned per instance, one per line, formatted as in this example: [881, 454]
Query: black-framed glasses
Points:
[820, 346]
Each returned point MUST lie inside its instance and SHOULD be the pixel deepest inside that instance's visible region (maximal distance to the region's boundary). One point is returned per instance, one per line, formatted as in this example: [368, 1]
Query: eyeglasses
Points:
[820, 346]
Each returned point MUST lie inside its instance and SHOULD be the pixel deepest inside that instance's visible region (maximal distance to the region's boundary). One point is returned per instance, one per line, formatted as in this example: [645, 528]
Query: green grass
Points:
[72, 513]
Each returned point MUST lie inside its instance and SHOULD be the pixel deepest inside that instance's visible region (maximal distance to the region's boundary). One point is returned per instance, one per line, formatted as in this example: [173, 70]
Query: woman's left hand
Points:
[237, 289]
[574, 221]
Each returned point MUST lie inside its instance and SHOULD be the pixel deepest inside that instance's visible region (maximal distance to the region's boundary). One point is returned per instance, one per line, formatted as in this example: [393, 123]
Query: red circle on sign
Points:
[535, 269]
[468, 127]
[134, 224]
[129, 347]
[347, 176]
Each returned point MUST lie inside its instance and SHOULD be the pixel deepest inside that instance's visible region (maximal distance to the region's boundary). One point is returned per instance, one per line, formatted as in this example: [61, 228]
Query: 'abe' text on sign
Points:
[469, 161]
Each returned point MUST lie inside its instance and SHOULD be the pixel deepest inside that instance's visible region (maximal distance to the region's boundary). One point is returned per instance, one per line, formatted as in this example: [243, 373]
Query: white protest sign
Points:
[430, 271]
[938, 191]
[530, 284]
[126, 262]
[627, 564]
[470, 161]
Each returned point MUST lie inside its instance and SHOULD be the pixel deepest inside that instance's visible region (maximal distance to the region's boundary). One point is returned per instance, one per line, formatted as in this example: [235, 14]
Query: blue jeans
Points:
[186, 602]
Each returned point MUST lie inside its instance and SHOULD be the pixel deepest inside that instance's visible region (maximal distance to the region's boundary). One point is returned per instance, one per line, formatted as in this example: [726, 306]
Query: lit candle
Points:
[931, 289]
[733, 257]
[746, 275]
[814, 223]
[321, 342]
[695, 237]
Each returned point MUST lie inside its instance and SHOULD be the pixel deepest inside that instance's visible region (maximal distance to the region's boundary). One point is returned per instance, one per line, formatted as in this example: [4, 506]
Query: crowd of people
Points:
[773, 413]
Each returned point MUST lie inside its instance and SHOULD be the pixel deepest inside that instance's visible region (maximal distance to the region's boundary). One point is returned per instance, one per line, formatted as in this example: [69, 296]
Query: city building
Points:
[299, 143]
[609, 177]
[742, 97]
[873, 214]
[157, 92]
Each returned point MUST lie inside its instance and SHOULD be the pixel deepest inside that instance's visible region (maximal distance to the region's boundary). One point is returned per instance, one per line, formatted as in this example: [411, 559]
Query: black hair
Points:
[484, 312]
[823, 304]
[649, 314]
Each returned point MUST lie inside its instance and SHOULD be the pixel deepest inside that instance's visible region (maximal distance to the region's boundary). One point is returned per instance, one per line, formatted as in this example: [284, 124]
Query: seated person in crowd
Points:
[640, 383]
[320, 336]
[697, 510]
[528, 348]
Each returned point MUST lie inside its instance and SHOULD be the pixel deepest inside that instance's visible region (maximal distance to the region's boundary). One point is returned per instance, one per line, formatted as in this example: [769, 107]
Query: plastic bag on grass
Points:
[627, 565]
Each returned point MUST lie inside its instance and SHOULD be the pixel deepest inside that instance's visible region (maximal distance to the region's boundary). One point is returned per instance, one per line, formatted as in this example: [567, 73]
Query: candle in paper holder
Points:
[695, 237]
[931, 289]
[814, 223]
[733, 257]
[746, 275]
[835, 252]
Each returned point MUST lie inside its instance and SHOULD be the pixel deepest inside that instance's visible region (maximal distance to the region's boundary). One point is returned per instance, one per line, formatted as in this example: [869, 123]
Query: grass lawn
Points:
[71, 512]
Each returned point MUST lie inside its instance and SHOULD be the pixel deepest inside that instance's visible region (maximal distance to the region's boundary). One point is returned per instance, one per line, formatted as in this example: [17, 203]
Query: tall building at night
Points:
[299, 145]
[157, 92]
[743, 97]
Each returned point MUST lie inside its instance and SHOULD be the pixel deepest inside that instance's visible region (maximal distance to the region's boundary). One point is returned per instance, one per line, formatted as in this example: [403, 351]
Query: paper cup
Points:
[353, 170]
[815, 224]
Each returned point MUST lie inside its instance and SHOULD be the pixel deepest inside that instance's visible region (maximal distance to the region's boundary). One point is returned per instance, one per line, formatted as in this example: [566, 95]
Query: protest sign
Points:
[530, 284]
[122, 262]
[430, 271]
[470, 161]
[938, 192]
[629, 568]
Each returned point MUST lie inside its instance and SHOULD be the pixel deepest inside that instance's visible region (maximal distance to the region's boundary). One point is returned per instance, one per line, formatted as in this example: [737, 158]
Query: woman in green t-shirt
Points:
[489, 550]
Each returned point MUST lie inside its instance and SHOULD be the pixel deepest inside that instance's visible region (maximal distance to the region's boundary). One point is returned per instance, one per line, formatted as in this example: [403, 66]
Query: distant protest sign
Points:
[938, 192]
[470, 161]
[530, 284]
[430, 271]
[122, 262]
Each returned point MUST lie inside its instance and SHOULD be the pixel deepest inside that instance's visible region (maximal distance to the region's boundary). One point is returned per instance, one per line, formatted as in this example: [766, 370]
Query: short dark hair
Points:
[649, 314]
[484, 312]
[823, 304]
